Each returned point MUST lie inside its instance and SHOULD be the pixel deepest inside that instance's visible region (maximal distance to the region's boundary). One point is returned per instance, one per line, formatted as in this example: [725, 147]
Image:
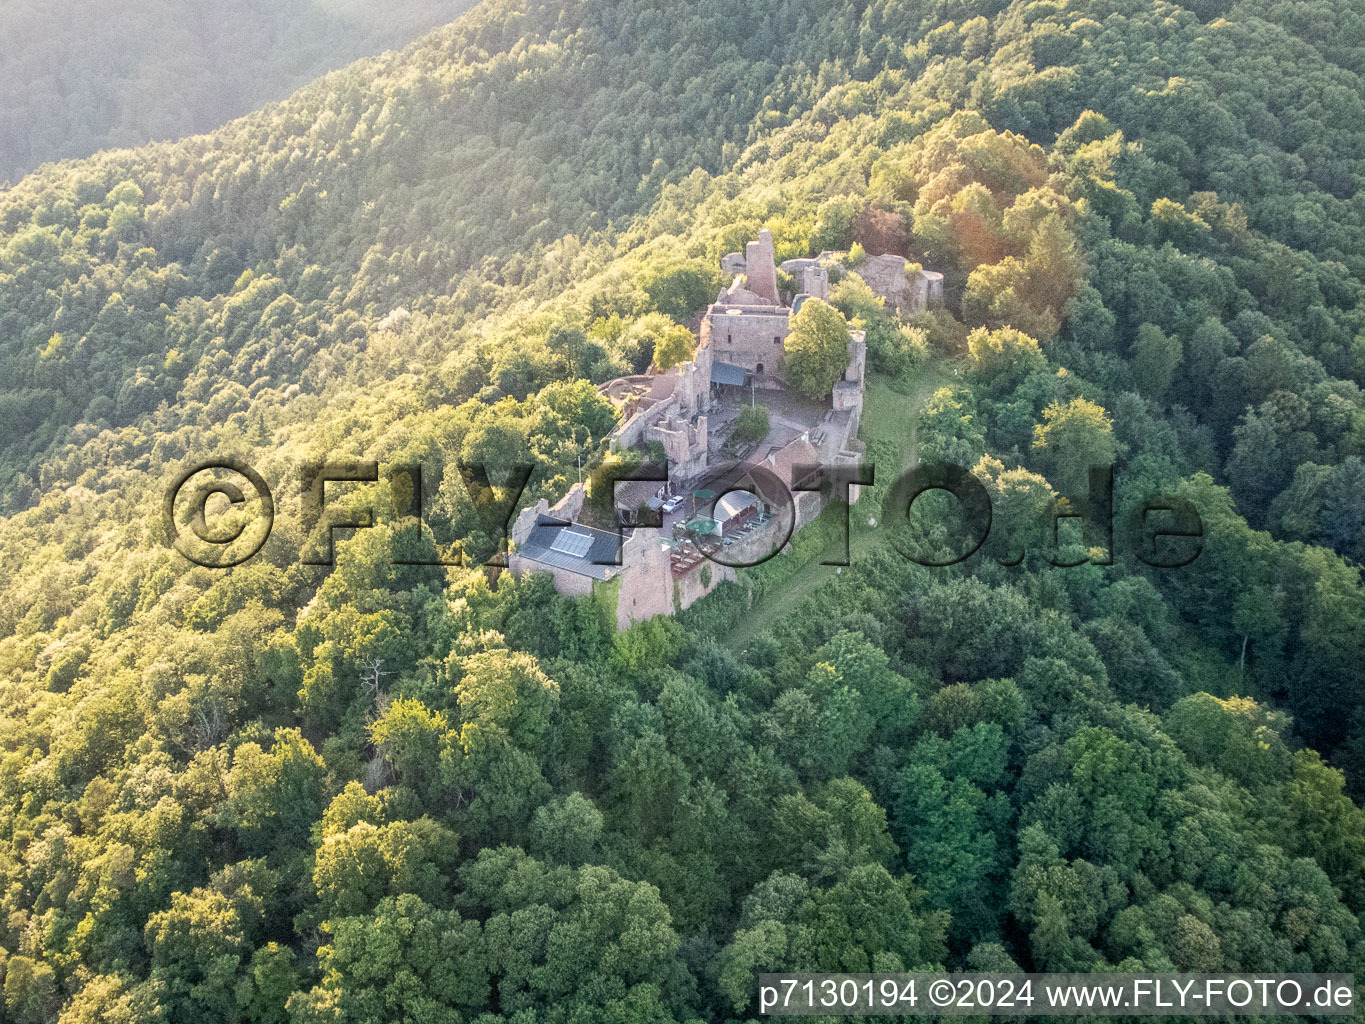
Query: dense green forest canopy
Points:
[386, 792]
[79, 76]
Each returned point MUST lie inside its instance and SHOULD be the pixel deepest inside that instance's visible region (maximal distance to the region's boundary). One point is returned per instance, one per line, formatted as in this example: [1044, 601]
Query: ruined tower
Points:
[761, 267]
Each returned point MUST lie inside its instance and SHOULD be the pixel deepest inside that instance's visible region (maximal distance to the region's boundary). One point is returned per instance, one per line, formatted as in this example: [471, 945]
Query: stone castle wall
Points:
[644, 586]
[747, 336]
[815, 282]
[570, 584]
[760, 267]
[676, 418]
[746, 327]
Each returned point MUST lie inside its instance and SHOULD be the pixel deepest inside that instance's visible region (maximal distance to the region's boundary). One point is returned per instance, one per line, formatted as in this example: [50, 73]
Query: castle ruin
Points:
[689, 411]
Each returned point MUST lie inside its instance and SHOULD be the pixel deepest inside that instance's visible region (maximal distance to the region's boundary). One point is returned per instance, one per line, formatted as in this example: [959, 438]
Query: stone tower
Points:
[761, 267]
[815, 282]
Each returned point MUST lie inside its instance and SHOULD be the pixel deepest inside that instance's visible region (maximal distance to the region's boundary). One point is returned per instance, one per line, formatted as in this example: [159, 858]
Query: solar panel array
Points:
[571, 542]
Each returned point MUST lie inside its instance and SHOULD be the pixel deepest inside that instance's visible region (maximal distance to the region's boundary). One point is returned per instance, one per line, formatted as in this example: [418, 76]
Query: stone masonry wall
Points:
[747, 336]
[760, 268]
[646, 582]
[570, 584]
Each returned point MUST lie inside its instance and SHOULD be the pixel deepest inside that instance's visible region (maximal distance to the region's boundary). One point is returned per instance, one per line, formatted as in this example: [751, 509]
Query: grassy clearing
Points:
[890, 427]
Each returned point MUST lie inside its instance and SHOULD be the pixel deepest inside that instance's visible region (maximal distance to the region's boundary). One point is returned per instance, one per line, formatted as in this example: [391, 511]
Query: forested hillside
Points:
[79, 76]
[389, 792]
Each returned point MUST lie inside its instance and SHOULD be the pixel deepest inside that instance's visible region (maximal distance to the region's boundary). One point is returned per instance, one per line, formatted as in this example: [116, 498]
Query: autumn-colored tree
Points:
[1002, 357]
[1073, 437]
